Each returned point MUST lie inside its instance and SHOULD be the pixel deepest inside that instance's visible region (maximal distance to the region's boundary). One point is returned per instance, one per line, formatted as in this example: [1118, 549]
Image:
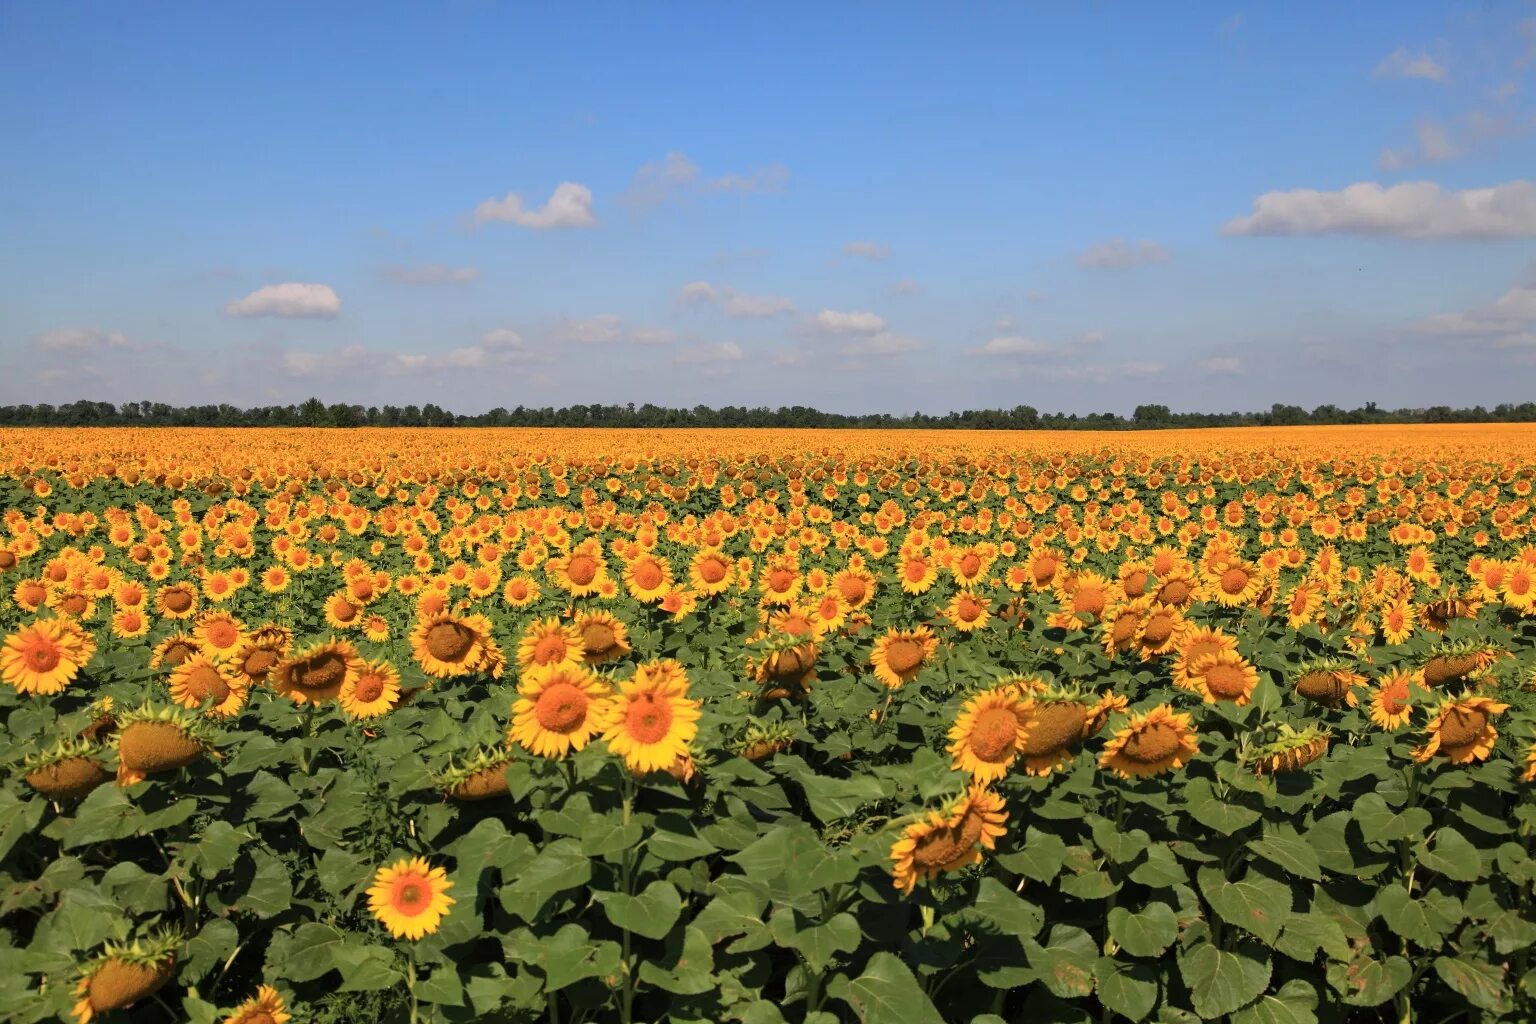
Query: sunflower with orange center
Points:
[1223, 676]
[202, 679]
[1304, 603]
[1156, 741]
[1391, 700]
[1233, 583]
[582, 572]
[373, 691]
[560, 708]
[1161, 630]
[711, 571]
[857, 586]
[128, 623]
[1195, 644]
[1044, 566]
[988, 733]
[1462, 731]
[265, 1007]
[1176, 587]
[901, 654]
[317, 673]
[1398, 620]
[781, 582]
[648, 578]
[603, 637]
[948, 840]
[45, 657]
[410, 897]
[918, 572]
[1122, 621]
[219, 633]
[653, 718]
[343, 610]
[549, 642]
[447, 646]
[967, 612]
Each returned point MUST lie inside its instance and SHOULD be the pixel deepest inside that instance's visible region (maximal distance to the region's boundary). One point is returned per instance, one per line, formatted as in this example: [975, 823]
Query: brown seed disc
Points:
[70, 779]
[147, 747]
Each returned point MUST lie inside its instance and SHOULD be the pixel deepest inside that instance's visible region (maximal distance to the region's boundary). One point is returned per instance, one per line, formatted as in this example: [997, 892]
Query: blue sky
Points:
[861, 207]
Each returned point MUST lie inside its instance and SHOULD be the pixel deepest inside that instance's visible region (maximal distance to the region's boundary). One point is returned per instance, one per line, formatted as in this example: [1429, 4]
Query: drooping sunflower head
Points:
[1290, 751]
[948, 840]
[480, 774]
[1462, 730]
[68, 770]
[762, 740]
[410, 897]
[122, 974]
[654, 719]
[1329, 681]
[317, 673]
[1150, 743]
[160, 738]
[901, 654]
[1459, 662]
[265, 1007]
[604, 637]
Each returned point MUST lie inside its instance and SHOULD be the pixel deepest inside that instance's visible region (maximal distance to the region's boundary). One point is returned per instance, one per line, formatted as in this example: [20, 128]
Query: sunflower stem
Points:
[309, 732]
[410, 983]
[626, 862]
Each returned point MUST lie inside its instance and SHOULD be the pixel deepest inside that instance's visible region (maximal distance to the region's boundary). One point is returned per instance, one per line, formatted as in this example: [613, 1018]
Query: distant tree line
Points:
[315, 413]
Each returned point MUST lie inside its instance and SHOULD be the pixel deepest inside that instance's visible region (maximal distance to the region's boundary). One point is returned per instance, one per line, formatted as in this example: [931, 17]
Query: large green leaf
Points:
[652, 913]
[1148, 931]
[1065, 962]
[1223, 981]
[886, 993]
[1254, 903]
[1126, 987]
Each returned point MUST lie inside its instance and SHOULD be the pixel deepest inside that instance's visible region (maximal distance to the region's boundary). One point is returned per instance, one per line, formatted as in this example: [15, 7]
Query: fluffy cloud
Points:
[290, 300]
[1416, 209]
[882, 343]
[432, 273]
[1222, 366]
[1014, 345]
[590, 330]
[831, 321]
[83, 339]
[1402, 64]
[675, 175]
[734, 303]
[1118, 253]
[569, 206]
[1507, 322]
[868, 250]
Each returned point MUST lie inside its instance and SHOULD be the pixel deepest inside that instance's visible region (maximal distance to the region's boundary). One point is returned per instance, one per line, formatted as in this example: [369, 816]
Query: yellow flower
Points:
[653, 720]
[1157, 741]
[410, 898]
[560, 708]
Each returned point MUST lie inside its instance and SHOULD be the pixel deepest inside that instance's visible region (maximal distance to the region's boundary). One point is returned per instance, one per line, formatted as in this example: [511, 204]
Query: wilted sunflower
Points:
[1055, 723]
[410, 897]
[317, 673]
[988, 733]
[447, 646]
[948, 840]
[1223, 676]
[1156, 741]
[372, 691]
[123, 974]
[201, 679]
[788, 651]
[549, 642]
[69, 770]
[1459, 662]
[560, 708]
[1291, 751]
[1391, 703]
[1462, 730]
[151, 740]
[901, 654]
[45, 657]
[1329, 682]
[603, 637]
[653, 719]
[265, 1007]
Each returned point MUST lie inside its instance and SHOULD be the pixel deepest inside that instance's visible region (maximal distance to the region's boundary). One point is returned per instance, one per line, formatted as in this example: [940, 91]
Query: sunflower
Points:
[1121, 622]
[1303, 603]
[128, 623]
[1054, 722]
[1398, 620]
[918, 573]
[603, 637]
[1459, 662]
[1391, 701]
[901, 654]
[1043, 567]
[653, 719]
[176, 601]
[342, 610]
[447, 646]
[582, 572]
[1529, 775]
[410, 897]
[856, 585]
[1223, 676]
[988, 733]
[781, 581]
[317, 673]
[520, 591]
[202, 679]
[1161, 630]
[967, 612]
[481, 775]
[157, 739]
[1462, 730]
[265, 1007]
[373, 691]
[1195, 644]
[559, 708]
[948, 840]
[711, 571]
[648, 578]
[1291, 751]
[124, 974]
[1084, 595]
[1233, 583]
[1329, 682]
[1176, 587]
[550, 642]
[376, 628]
[218, 633]
[68, 770]
[1151, 743]
[45, 657]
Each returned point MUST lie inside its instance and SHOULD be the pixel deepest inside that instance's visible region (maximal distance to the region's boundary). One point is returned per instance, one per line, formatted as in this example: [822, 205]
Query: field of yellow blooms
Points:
[753, 726]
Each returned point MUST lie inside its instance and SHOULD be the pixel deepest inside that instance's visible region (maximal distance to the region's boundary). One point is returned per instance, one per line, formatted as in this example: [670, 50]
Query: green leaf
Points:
[208, 949]
[1421, 921]
[603, 837]
[570, 956]
[1295, 1003]
[559, 866]
[674, 839]
[308, 953]
[1367, 982]
[735, 913]
[1380, 824]
[1223, 981]
[686, 969]
[271, 797]
[1065, 962]
[1216, 813]
[886, 993]
[366, 968]
[1483, 984]
[818, 944]
[443, 987]
[1160, 870]
[1041, 857]
[1254, 903]
[1147, 932]
[834, 799]
[270, 892]
[1122, 847]
[1129, 989]
[340, 870]
[218, 847]
[1309, 932]
[1452, 856]
[1003, 908]
[651, 914]
[1285, 848]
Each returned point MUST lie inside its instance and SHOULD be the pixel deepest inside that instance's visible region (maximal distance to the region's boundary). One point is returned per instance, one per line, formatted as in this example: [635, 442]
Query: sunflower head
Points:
[653, 719]
[1150, 743]
[68, 770]
[410, 897]
[764, 739]
[1460, 662]
[447, 646]
[948, 840]
[989, 733]
[1329, 681]
[1462, 730]
[317, 673]
[901, 654]
[265, 1007]
[478, 775]
[161, 738]
[1290, 751]
[122, 974]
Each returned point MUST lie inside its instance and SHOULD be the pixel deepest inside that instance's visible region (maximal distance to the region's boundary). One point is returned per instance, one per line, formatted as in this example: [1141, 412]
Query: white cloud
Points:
[432, 273]
[1118, 253]
[696, 293]
[733, 303]
[1013, 345]
[353, 360]
[1222, 366]
[1508, 321]
[869, 250]
[1402, 64]
[1416, 209]
[675, 175]
[82, 339]
[569, 206]
[831, 321]
[289, 300]
[883, 343]
[589, 330]
[1436, 142]
[724, 352]
[1091, 338]
[501, 338]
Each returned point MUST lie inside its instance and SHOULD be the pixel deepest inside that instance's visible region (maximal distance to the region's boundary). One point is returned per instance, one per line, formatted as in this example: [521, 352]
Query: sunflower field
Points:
[759, 727]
